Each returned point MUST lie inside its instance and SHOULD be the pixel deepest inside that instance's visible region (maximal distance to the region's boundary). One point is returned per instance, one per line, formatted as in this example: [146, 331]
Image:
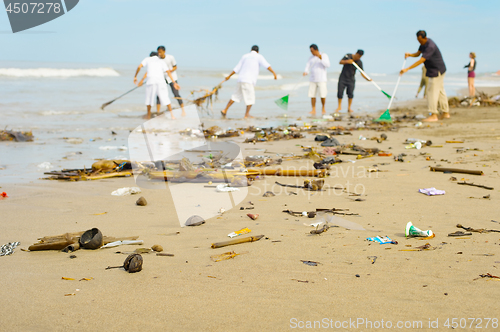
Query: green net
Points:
[386, 117]
[282, 102]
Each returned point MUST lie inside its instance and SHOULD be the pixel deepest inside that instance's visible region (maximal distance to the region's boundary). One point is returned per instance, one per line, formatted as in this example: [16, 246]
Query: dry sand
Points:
[267, 286]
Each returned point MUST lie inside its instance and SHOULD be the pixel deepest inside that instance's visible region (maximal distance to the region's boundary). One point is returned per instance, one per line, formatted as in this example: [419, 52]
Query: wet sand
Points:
[267, 287]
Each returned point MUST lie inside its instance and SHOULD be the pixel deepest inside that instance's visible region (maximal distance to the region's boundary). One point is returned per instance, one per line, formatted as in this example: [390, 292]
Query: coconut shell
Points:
[195, 221]
[133, 263]
[91, 239]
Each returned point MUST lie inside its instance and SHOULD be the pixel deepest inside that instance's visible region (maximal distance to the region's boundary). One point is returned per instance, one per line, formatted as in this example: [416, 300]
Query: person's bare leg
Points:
[224, 111]
[349, 107]
[148, 114]
[340, 106]
[158, 108]
[183, 110]
[247, 114]
[169, 106]
[323, 101]
[313, 104]
[472, 91]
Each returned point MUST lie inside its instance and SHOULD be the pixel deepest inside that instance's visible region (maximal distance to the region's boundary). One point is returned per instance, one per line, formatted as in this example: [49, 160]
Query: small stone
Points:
[141, 202]
[357, 276]
[157, 248]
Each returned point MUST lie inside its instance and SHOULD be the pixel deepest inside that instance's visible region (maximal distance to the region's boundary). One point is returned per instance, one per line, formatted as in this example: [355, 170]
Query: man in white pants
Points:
[248, 71]
[316, 66]
[156, 86]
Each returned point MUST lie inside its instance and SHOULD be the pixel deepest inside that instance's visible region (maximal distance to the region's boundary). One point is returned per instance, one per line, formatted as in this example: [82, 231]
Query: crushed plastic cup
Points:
[412, 231]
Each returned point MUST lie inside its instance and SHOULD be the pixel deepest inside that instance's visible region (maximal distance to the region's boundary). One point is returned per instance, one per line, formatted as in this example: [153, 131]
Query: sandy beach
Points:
[267, 286]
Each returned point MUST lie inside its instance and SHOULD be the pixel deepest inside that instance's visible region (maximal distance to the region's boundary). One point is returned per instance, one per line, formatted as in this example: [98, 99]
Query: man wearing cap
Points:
[436, 69]
[346, 78]
[316, 66]
[248, 71]
[156, 86]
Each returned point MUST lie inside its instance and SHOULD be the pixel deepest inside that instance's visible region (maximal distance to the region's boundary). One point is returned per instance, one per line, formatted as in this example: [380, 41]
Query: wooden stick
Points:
[476, 185]
[455, 170]
[237, 241]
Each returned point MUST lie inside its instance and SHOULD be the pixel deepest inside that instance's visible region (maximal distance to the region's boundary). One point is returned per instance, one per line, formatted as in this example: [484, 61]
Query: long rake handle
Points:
[396, 87]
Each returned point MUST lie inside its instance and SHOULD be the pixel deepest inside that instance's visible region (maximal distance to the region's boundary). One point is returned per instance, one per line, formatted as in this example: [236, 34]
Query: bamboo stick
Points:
[455, 170]
[237, 241]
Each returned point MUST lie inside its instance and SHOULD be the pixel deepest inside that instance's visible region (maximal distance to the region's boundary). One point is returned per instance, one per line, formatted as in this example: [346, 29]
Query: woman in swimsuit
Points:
[471, 67]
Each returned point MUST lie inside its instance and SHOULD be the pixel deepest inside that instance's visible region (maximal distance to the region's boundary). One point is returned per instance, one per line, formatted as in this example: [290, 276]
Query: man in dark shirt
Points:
[436, 69]
[346, 78]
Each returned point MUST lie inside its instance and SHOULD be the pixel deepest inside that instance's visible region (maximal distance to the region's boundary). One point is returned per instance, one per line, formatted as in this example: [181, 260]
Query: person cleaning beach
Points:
[156, 86]
[436, 69]
[347, 79]
[248, 71]
[316, 67]
[471, 74]
[172, 66]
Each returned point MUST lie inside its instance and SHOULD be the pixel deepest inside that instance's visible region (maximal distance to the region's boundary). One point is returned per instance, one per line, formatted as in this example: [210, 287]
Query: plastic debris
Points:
[241, 231]
[225, 188]
[119, 243]
[126, 191]
[412, 231]
[382, 240]
[431, 191]
[8, 249]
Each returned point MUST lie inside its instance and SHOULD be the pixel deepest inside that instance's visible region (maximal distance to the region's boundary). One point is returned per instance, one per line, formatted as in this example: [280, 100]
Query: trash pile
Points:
[102, 169]
[480, 99]
[18, 136]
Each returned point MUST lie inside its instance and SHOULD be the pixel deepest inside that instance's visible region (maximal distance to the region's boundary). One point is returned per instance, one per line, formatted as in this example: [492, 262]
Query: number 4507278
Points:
[33, 8]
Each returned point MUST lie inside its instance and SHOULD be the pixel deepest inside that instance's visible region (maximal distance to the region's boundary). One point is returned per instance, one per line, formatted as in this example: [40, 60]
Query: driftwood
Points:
[321, 230]
[59, 242]
[477, 230]
[475, 185]
[455, 170]
[237, 241]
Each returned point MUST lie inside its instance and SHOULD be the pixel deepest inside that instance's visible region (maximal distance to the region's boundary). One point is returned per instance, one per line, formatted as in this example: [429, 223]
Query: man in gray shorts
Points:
[172, 66]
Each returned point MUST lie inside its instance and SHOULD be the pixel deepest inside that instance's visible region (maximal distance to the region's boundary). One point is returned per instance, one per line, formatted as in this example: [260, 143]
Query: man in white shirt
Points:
[172, 66]
[248, 71]
[155, 84]
[316, 66]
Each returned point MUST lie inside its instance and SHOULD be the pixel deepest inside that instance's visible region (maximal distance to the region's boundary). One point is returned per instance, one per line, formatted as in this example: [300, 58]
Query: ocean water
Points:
[60, 103]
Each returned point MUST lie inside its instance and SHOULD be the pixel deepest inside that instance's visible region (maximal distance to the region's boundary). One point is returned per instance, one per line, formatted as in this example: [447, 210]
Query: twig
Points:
[476, 185]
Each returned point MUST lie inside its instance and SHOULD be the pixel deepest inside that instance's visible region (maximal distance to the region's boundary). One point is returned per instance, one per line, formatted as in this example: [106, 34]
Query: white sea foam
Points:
[52, 112]
[260, 77]
[53, 72]
[294, 85]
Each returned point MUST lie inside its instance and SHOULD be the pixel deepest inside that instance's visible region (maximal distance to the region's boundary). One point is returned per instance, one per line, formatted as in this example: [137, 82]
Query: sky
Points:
[215, 34]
